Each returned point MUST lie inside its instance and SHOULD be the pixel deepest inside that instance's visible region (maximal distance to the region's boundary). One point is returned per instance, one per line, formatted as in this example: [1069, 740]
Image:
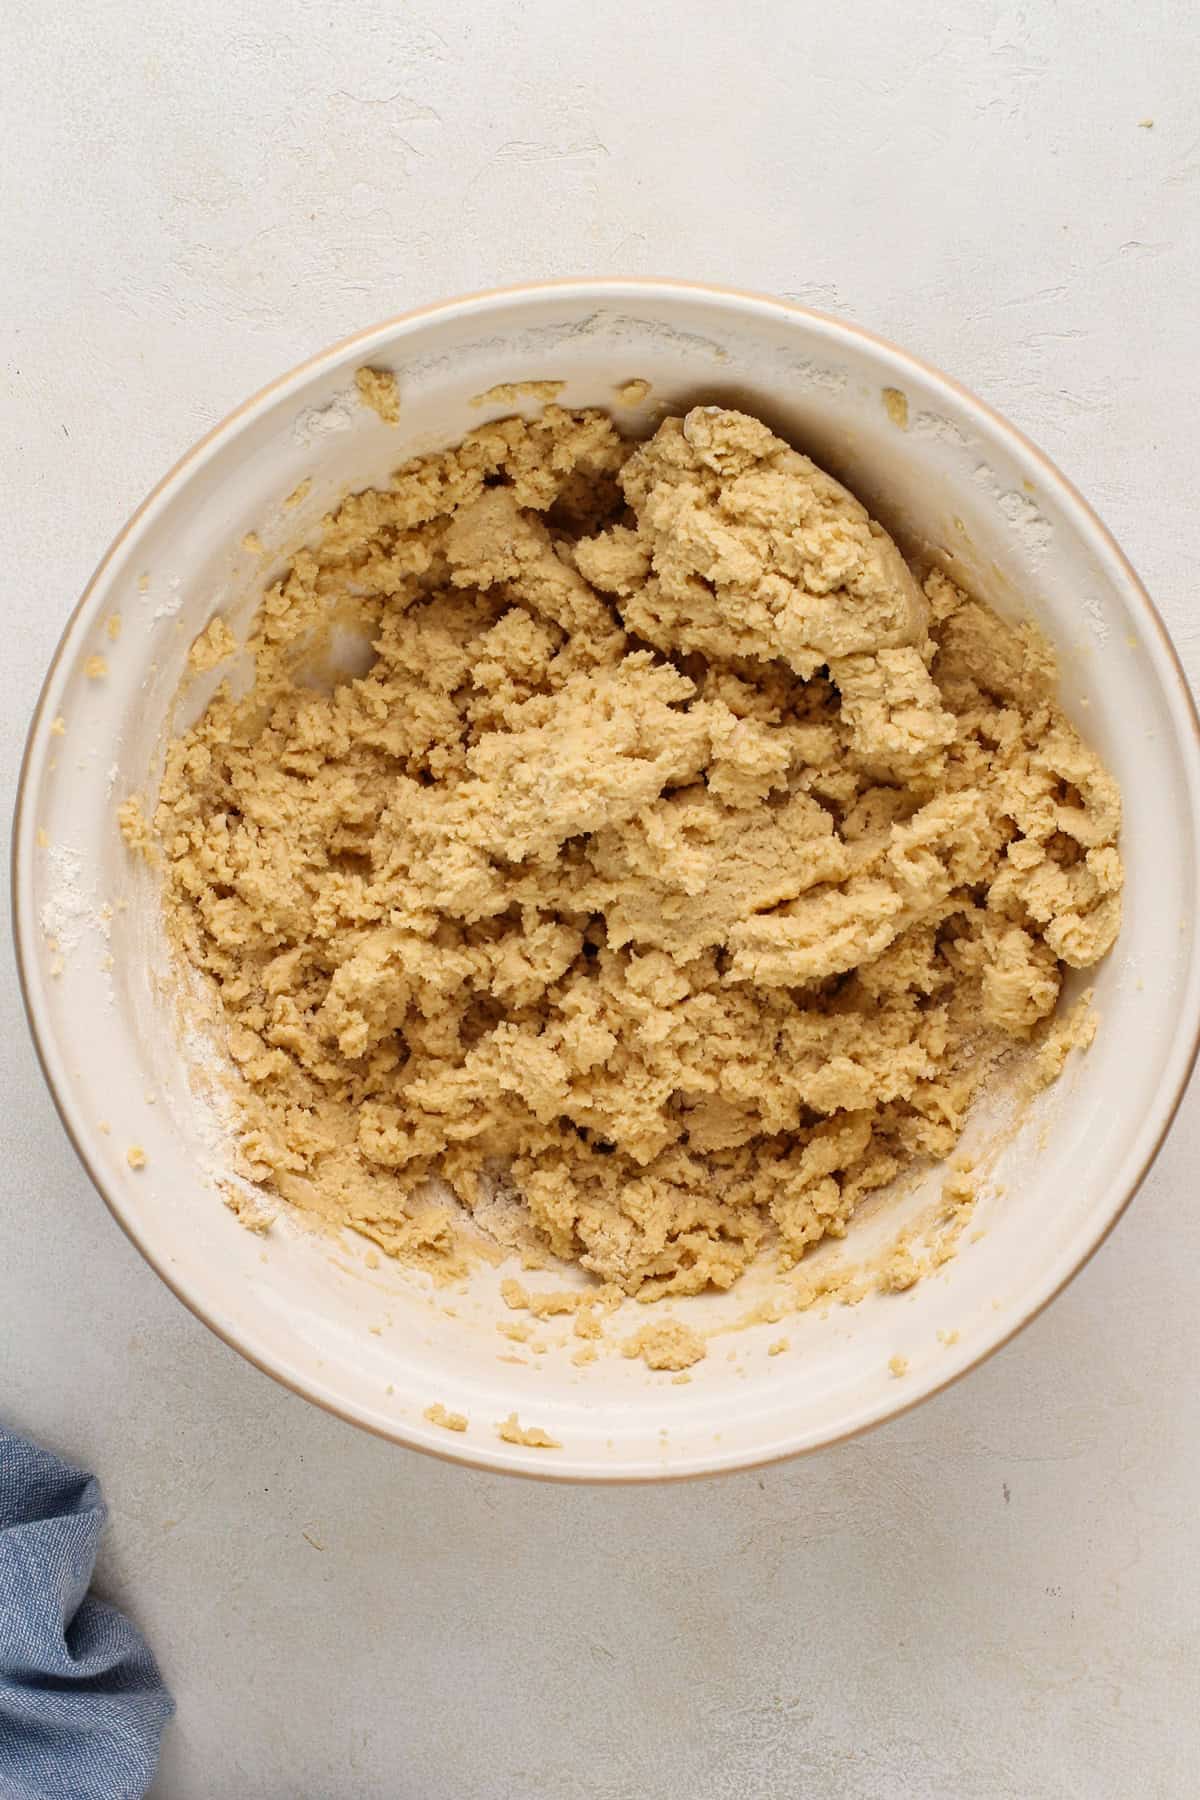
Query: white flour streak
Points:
[322, 421]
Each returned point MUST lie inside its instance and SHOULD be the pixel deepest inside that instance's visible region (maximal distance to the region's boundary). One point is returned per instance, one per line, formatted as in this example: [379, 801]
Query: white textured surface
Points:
[991, 1596]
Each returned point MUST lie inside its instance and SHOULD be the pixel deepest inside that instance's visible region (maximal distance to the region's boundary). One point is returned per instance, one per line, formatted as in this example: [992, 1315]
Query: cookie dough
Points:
[437, 1414]
[679, 866]
[532, 1436]
[377, 389]
[667, 1345]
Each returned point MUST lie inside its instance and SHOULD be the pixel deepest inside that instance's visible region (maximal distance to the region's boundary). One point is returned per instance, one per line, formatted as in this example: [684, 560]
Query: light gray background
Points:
[995, 1596]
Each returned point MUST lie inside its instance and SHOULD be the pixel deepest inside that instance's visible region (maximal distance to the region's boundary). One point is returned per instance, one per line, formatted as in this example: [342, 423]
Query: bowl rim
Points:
[1086, 520]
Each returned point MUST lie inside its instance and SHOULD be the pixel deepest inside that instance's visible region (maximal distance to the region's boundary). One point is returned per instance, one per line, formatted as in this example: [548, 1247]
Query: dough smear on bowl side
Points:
[681, 866]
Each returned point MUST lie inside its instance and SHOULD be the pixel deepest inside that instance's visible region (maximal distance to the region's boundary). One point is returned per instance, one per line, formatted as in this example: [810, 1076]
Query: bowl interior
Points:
[382, 1344]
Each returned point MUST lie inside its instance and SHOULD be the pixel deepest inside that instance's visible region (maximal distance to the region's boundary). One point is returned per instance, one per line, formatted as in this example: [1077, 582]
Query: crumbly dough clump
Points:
[679, 864]
[437, 1414]
[669, 1344]
[532, 1436]
[377, 389]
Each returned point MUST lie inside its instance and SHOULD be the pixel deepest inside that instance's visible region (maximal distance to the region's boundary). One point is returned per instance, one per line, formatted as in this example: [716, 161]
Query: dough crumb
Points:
[668, 1344]
[947, 1337]
[136, 830]
[214, 644]
[779, 1346]
[300, 492]
[135, 1156]
[95, 668]
[514, 1295]
[112, 626]
[248, 1212]
[632, 393]
[449, 1421]
[900, 1271]
[895, 402]
[42, 838]
[377, 389]
[252, 544]
[513, 1432]
[58, 726]
[1072, 1030]
[898, 1365]
[959, 1189]
[507, 393]
[553, 1303]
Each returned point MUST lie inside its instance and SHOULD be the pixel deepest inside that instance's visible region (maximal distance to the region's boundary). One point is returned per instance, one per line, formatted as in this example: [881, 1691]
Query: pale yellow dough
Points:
[437, 1414]
[532, 1436]
[680, 866]
[667, 1345]
[507, 393]
[377, 389]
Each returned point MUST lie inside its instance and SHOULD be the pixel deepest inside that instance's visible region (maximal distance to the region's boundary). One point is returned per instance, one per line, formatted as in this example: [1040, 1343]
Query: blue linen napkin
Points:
[82, 1704]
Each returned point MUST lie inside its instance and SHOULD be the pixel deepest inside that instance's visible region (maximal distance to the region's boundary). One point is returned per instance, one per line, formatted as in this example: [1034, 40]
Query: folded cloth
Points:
[82, 1704]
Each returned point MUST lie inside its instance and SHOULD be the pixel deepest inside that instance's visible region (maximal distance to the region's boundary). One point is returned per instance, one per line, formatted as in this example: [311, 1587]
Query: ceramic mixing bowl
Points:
[378, 1345]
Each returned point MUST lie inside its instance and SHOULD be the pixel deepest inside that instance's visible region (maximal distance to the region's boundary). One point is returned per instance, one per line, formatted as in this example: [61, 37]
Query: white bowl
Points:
[958, 481]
